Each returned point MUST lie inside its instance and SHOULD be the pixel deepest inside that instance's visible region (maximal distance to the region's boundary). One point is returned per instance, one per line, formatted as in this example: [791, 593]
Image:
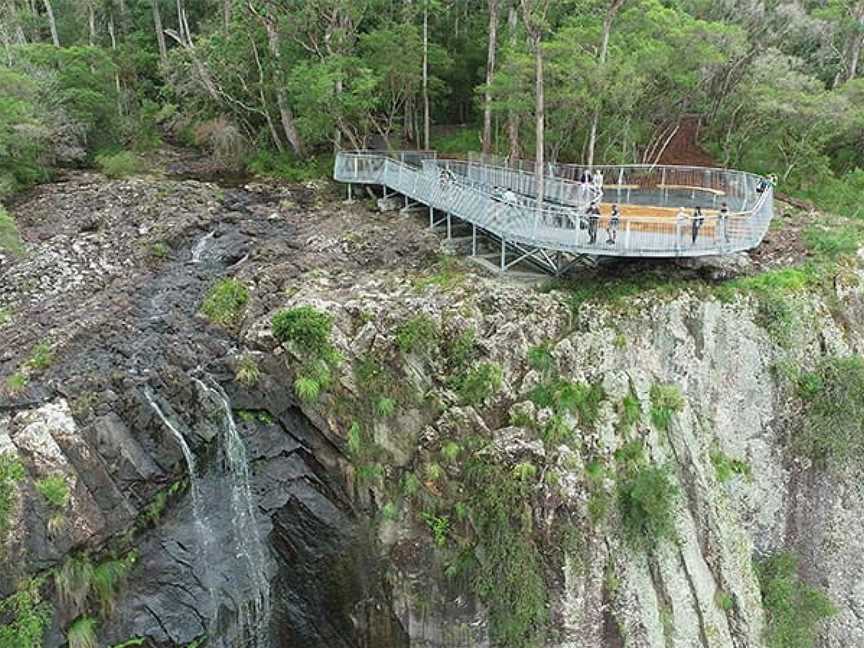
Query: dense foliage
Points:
[771, 88]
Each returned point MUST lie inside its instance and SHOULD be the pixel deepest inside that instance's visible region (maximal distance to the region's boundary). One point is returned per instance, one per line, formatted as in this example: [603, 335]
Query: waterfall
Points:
[251, 629]
[200, 246]
[194, 482]
[254, 615]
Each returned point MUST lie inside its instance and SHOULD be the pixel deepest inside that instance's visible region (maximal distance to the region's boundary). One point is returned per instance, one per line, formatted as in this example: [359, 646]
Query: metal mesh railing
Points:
[503, 202]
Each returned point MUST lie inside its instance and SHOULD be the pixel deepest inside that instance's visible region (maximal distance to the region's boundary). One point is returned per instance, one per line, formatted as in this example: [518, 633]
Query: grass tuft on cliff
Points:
[11, 472]
[306, 331]
[10, 240]
[82, 633]
[225, 302]
[794, 608]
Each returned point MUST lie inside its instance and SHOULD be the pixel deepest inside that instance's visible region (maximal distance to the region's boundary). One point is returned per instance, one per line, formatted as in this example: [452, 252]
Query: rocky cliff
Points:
[445, 459]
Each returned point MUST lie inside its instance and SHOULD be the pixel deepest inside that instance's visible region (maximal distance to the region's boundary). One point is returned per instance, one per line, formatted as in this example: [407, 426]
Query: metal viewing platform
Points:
[656, 205]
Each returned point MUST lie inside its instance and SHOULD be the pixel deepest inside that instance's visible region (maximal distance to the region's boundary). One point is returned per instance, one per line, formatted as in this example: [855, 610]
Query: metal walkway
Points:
[656, 205]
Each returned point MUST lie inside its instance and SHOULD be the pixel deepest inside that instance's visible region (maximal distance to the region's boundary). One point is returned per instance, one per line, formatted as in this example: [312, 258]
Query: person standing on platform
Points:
[593, 222]
[612, 226]
[698, 221]
[723, 222]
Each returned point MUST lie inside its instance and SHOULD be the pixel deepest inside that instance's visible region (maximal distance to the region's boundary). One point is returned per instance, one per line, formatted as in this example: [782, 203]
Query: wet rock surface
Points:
[112, 282]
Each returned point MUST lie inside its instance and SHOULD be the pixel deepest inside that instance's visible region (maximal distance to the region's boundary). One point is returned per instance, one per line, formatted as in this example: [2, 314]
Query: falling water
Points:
[194, 481]
[254, 616]
[200, 246]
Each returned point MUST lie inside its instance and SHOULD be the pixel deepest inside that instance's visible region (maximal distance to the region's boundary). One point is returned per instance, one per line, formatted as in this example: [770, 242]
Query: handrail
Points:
[468, 192]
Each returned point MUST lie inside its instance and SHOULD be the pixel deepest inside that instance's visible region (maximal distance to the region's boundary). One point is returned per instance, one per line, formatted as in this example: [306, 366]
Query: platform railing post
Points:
[448, 226]
[349, 192]
[473, 240]
[431, 217]
[503, 254]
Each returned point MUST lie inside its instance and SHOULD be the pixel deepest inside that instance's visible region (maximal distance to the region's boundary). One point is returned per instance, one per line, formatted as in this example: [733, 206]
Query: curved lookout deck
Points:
[501, 203]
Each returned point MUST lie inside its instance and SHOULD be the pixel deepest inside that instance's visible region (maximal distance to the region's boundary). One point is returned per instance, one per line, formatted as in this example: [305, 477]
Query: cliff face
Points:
[461, 479]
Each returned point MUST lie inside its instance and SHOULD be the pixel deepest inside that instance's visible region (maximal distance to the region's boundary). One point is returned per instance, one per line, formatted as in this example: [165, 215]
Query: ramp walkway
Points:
[656, 205]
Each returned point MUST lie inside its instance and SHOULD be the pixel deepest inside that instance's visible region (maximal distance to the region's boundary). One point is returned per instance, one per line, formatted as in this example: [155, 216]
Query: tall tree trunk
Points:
[285, 113]
[513, 116]
[91, 22]
[534, 13]
[52, 24]
[160, 32]
[113, 36]
[226, 12]
[614, 6]
[490, 76]
[426, 117]
[540, 110]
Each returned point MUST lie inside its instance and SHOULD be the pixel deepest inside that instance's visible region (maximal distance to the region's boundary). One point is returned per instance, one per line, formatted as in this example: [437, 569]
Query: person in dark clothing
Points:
[698, 221]
[723, 222]
[593, 222]
[612, 227]
[586, 178]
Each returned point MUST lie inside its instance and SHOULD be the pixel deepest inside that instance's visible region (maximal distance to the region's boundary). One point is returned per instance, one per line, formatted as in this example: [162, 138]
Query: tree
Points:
[534, 15]
[52, 23]
[611, 10]
[493, 6]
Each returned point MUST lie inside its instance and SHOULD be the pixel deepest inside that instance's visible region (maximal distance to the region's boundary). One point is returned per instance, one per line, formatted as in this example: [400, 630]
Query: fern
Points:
[307, 389]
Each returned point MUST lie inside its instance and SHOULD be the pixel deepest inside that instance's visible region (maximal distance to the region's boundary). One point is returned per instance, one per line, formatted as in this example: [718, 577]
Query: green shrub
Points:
[439, 525]
[82, 633]
[794, 609]
[25, 617]
[287, 167]
[41, 357]
[10, 240]
[647, 497]
[418, 334]
[556, 431]
[524, 471]
[833, 242]
[307, 328]
[777, 316]
[225, 302]
[460, 350]
[159, 250]
[5, 316]
[582, 400]
[55, 490]
[666, 401]
[832, 433]
[540, 357]
[629, 412]
[119, 165]
[11, 472]
[451, 451]
[726, 468]
[477, 384]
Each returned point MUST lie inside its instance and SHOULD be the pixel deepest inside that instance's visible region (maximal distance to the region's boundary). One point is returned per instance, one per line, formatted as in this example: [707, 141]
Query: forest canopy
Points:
[274, 84]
